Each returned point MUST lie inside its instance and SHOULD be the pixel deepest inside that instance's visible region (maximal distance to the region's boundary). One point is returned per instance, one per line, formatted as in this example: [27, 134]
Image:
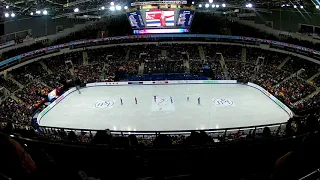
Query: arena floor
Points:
[221, 106]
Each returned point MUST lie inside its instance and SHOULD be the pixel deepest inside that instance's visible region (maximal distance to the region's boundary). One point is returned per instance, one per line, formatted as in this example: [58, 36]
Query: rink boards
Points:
[58, 100]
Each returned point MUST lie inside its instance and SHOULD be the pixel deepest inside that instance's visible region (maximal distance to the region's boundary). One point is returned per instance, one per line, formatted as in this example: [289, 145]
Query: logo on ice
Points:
[104, 104]
[223, 102]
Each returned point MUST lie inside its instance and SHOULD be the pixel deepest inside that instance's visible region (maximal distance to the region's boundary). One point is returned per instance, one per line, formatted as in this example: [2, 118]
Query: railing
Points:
[159, 36]
[87, 135]
[313, 175]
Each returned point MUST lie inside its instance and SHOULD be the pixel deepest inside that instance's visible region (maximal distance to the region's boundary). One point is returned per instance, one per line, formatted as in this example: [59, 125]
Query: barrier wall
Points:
[274, 99]
[48, 108]
[284, 107]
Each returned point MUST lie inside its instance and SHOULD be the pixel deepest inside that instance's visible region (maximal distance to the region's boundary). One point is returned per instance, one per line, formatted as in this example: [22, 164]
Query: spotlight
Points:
[213, 6]
[301, 7]
[288, 5]
[118, 8]
[6, 14]
[102, 8]
[223, 5]
[295, 6]
[282, 5]
[210, 1]
[112, 8]
[126, 7]
[249, 5]
[192, 2]
[7, 7]
[112, 3]
[45, 12]
[31, 13]
[76, 10]
[217, 6]
[200, 5]
[207, 5]
[38, 12]
[317, 6]
[13, 15]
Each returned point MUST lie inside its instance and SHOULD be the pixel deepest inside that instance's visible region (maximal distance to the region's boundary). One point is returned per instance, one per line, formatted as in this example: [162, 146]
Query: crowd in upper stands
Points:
[285, 76]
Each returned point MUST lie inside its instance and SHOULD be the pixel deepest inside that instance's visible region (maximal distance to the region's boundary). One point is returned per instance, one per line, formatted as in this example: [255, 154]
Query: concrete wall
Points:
[40, 26]
[289, 19]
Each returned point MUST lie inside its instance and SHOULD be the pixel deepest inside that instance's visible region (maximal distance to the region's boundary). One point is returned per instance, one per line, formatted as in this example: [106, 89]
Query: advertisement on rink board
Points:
[219, 81]
[106, 84]
[159, 82]
[43, 112]
[284, 107]
[210, 81]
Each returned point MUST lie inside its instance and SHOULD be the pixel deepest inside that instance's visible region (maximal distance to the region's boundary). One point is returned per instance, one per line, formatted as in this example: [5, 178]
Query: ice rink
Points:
[221, 106]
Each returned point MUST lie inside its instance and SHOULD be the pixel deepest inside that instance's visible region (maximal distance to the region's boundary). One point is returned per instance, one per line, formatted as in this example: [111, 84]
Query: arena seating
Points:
[14, 111]
[221, 148]
[293, 90]
[103, 62]
[317, 81]
[12, 87]
[28, 73]
[113, 58]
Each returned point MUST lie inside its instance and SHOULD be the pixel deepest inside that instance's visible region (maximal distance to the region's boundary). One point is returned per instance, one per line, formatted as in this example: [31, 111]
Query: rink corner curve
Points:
[274, 99]
[60, 98]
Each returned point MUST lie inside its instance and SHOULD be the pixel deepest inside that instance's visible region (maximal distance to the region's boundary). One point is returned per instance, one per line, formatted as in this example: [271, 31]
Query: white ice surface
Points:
[248, 107]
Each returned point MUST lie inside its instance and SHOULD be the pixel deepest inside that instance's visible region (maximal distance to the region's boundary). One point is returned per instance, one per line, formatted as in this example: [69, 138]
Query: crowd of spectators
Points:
[231, 52]
[166, 58]
[44, 157]
[308, 68]
[14, 111]
[305, 106]
[101, 65]
[89, 73]
[270, 76]
[11, 86]
[293, 90]
[240, 70]
[33, 94]
[21, 50]
[28, 73]
[104, 62]
[316, 81]
[196, 66]
[144, 52]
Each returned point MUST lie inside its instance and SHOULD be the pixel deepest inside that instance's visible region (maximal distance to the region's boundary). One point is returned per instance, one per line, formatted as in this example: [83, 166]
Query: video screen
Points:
[135, 19]
[185, 18]
[160, 18]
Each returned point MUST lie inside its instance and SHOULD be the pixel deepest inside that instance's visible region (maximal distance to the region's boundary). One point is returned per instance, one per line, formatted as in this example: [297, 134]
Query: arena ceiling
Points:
[63, 8]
